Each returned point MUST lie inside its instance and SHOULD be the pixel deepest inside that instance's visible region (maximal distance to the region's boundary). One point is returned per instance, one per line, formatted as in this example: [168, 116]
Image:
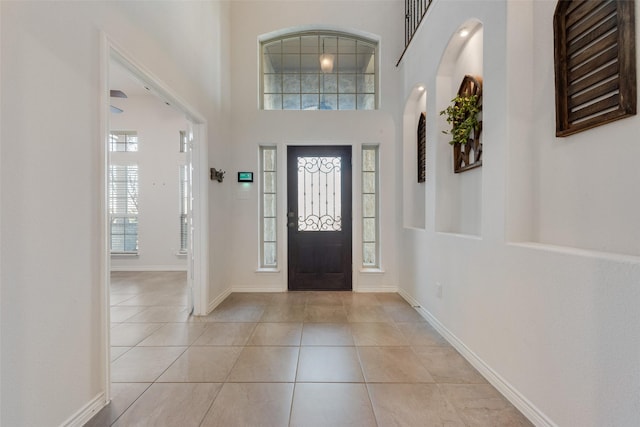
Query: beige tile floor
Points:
[288, 359]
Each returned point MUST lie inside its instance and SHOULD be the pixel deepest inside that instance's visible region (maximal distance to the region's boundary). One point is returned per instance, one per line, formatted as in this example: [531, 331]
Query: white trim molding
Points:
[384, 289]
[216, 302]
[262, 289]
[148, 268]
[85, 413]
[528, 409]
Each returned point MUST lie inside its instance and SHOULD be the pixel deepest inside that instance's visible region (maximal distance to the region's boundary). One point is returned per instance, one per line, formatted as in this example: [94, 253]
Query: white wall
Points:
[52, 346]
[158, 158]
[558, 325]
[252, 127]
[574, 171]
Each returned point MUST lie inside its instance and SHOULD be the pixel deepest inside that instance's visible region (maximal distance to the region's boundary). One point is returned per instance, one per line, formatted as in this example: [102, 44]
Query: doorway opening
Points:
[319, 222]
[189, 251]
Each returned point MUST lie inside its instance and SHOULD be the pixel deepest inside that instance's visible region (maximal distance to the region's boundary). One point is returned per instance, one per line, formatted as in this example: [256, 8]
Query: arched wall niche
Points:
[458, 196]
[414, 199]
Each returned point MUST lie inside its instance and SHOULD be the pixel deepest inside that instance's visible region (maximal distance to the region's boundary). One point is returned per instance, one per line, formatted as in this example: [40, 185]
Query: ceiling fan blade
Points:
[115, 93]
[116, 110]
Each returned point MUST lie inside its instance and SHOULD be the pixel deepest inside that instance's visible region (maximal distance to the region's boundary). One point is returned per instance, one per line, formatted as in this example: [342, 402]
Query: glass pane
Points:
[269, 205]
[123, 141]
[270, 255]
[310, 102]
[272, 83]
[366, 63]
[366, 83]
[329, 83]
[310, 83]
[369, 254]
[273, 47]
[369, 205]
[132, 142]
[346, 45]
[184, 141]
[365, 48]
[290, 64]
[130, 243]
[117, 243]
[310, 63]
[366, 102]
[269, 182]
[346, 63]
[291, 102]
[329, 44]
[347, 83]
[309, 44]
[319, 194]
[269, 159]
[117, 226]
[131, 226]
[273, 102]
[269, 229]
[291, 83]
[371, 66]
[329, 102]
[369, 160]
[347, 102]
[369, 229]
[291, 45]
[272, 63]
[368, 182]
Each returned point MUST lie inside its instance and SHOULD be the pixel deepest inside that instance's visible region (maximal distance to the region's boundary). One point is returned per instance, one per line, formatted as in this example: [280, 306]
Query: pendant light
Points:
[326, 61]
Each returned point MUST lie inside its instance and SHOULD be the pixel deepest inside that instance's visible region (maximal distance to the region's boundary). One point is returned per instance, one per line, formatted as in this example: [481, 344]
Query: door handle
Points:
[290, 221]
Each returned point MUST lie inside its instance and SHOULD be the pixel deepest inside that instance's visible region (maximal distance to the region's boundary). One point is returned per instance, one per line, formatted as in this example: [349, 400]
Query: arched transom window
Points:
[319, 71]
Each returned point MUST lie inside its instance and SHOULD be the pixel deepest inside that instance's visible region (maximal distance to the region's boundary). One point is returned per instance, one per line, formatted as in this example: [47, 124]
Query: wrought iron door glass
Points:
[319, 194]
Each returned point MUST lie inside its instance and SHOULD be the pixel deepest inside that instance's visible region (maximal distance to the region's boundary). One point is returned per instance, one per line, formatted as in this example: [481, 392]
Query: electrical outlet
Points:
[439, 289]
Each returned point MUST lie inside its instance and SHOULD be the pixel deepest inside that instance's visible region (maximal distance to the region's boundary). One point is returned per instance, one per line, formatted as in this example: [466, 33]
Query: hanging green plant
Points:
[462, 114]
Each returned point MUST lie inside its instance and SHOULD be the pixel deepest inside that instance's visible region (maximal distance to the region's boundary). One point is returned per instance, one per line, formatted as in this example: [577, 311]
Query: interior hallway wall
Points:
[53, 351]
[552, 314]
[252, 127]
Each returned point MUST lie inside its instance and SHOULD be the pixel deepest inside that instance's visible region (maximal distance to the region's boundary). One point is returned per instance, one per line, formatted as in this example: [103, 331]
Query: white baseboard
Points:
[218, 300]
[518, 400]
[384, 289]
[148, 267]
[257, 290]
[85, 413]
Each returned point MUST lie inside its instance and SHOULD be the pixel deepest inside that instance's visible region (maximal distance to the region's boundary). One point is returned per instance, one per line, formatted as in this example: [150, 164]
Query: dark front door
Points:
[319, 217]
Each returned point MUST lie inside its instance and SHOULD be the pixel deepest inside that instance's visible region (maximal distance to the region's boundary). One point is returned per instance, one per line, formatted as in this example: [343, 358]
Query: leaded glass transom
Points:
[319, 71]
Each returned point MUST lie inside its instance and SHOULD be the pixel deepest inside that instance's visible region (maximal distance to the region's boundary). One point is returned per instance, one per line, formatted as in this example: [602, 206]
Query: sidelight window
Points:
[370, 203]
[268, 207]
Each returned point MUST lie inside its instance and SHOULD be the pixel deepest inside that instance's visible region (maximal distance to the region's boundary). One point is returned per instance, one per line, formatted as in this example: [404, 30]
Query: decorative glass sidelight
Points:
[319, 194]
[268, 186]
[370, 222]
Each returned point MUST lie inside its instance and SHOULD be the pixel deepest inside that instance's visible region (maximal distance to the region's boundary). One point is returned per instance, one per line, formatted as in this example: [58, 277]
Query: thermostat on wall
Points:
[245, 176]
